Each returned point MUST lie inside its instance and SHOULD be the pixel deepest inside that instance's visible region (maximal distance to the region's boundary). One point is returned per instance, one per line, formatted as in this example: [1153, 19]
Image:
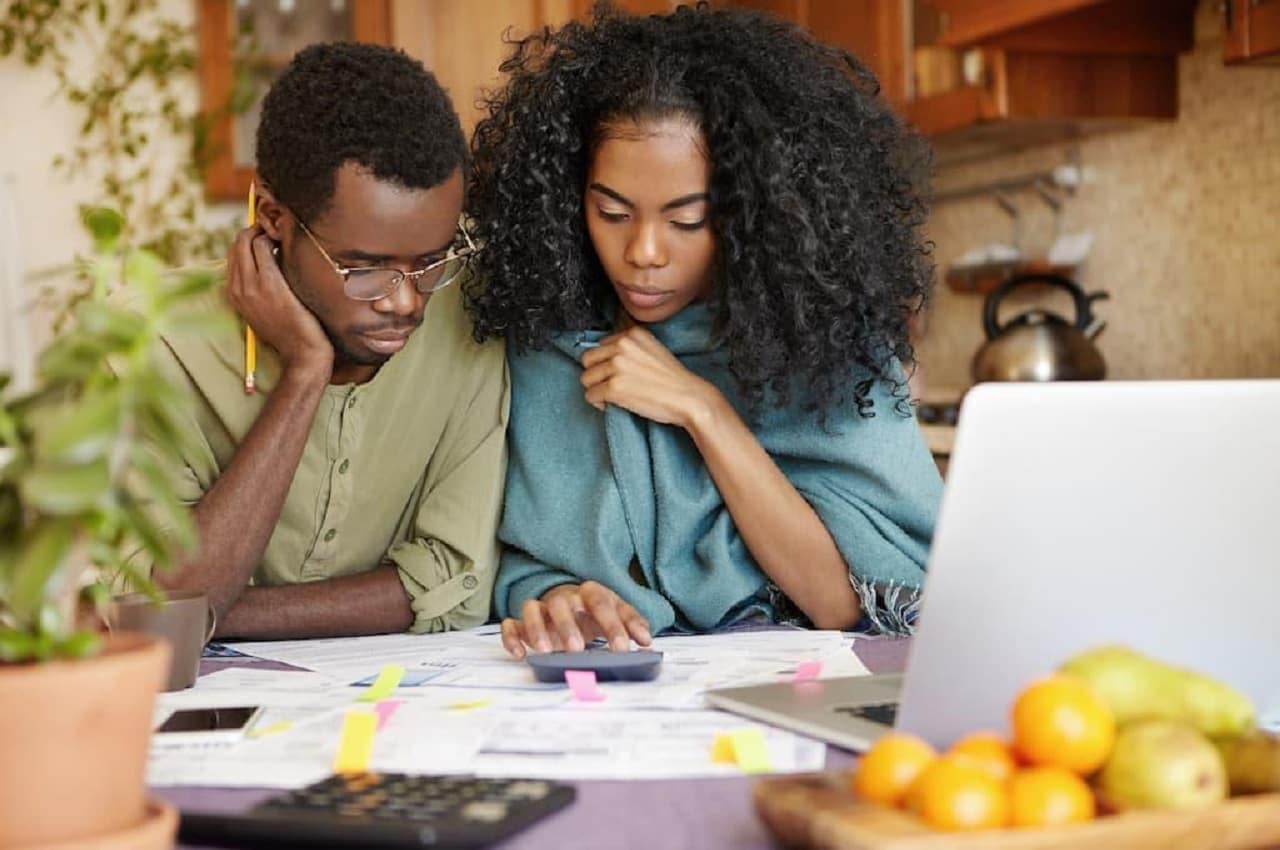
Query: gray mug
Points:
[184, 618]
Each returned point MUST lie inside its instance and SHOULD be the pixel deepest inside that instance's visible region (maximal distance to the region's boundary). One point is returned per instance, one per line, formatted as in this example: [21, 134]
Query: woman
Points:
[702, 245]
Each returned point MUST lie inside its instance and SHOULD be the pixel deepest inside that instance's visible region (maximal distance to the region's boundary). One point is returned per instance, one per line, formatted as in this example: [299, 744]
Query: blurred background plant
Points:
[127, 68]
[83, 455]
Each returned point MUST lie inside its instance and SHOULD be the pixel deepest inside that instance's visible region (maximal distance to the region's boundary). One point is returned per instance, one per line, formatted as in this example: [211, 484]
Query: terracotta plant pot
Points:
[73, 743]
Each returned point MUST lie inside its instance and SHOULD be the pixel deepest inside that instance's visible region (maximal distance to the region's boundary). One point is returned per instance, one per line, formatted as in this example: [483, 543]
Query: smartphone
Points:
[236, 719]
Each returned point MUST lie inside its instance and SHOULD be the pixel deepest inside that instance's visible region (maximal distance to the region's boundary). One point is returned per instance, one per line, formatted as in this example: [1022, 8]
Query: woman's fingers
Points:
[637, 625]
[512, 638]
[535, 628]
[565, 622]
[603, 608]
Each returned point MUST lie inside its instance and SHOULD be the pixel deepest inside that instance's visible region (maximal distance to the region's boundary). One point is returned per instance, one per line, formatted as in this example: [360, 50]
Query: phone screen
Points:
[209, 719]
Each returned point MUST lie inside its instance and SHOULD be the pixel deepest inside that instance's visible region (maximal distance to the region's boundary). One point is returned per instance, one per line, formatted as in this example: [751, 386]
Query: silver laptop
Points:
[1075, 514]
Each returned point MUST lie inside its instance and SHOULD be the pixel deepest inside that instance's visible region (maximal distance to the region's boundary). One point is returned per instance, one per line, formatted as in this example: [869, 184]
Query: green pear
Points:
[1162, 764]
[1135, 685]
[1253, 762]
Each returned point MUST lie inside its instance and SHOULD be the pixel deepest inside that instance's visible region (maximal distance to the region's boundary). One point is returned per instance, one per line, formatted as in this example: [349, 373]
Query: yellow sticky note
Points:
[722, 750]
[383, 686]
[282, 726]
[749, 751]
[356, 745]
[470, 706]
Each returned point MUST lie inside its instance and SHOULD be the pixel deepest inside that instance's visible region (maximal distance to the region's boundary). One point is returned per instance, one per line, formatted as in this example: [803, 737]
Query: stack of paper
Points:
[464, 706]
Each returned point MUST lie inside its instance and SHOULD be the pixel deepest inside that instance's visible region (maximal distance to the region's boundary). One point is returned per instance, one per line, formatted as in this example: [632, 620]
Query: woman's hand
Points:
[633, 370]
[568, 616]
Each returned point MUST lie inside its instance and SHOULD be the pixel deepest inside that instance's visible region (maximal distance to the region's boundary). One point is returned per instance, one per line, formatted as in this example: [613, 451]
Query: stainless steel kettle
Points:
[1039, 345]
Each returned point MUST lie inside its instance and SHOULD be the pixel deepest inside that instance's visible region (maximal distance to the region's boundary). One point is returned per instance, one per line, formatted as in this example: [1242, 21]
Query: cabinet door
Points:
[1264, 27]
[875, 31]
[1251, 29]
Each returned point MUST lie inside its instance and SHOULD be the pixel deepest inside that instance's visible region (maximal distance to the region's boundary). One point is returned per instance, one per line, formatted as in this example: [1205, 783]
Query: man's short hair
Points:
[362, 103]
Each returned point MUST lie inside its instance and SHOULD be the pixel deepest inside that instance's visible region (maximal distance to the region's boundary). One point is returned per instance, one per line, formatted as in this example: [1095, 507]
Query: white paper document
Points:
[580, 742]
[466, 707]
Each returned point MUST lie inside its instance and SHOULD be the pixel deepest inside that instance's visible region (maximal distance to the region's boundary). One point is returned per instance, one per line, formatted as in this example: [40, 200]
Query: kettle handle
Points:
[1083, 302]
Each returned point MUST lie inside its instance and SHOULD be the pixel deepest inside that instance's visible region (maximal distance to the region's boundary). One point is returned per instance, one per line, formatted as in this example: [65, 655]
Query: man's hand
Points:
[568, 616]
[633, 370]
[258, 292]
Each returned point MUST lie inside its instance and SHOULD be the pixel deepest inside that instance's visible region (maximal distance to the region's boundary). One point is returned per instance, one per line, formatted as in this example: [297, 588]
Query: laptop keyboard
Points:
[878, 712]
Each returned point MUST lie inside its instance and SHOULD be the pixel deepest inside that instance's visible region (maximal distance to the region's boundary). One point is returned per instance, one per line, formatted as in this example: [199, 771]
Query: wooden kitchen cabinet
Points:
[983, 76]
[875, 31]
[1252, 30]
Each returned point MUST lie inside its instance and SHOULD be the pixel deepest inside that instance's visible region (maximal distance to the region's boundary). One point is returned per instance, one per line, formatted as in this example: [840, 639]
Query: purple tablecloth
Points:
[661, 815]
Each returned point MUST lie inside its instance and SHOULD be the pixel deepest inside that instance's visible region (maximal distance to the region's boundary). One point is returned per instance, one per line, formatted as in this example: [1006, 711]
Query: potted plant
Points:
[82, 486]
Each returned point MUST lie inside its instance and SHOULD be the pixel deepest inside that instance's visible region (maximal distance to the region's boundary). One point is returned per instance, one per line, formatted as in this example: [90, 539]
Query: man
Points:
[358, 489]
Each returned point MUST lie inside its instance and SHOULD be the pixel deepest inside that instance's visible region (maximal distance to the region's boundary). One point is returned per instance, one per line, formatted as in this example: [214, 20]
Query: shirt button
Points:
[342, 468]
[470, 582]
[330, 534]
[351, 402]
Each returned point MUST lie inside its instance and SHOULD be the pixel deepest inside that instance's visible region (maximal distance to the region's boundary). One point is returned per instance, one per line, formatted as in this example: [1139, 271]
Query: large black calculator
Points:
[384, 810]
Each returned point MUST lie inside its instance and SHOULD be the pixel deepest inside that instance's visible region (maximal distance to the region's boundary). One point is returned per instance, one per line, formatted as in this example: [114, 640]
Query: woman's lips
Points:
[642, 299]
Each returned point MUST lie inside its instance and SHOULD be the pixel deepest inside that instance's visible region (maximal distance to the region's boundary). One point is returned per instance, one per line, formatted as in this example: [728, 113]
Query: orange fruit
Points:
[890, 767]
[1059, 721]
[1049, 796]
[989, 751]
[957, 793]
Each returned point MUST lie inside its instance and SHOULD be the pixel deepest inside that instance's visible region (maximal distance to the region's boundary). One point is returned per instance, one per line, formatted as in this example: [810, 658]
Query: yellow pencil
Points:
[250, 341]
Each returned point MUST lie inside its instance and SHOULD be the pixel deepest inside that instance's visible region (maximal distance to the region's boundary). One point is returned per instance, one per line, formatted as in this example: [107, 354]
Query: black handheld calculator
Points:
[384, 810]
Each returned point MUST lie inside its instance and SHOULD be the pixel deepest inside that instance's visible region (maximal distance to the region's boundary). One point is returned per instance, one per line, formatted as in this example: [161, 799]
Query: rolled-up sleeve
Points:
[449, 563]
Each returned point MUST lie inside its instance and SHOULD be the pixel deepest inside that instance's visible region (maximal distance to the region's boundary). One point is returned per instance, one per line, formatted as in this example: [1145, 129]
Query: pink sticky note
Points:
[385, 709]
[807, 671]
[583, 684]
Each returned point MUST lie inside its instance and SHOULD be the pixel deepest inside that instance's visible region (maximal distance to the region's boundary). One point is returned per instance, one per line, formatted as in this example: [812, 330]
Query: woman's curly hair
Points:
[820, 258]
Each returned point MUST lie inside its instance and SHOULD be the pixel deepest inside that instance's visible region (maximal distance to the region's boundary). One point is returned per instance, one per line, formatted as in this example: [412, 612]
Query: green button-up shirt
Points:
[407, 467]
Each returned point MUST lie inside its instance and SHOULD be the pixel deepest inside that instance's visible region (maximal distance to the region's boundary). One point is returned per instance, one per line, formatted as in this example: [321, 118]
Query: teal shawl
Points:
[628, 502]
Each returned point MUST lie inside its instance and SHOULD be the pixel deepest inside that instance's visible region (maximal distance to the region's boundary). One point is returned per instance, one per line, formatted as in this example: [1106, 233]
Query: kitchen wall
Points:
[1187, 223]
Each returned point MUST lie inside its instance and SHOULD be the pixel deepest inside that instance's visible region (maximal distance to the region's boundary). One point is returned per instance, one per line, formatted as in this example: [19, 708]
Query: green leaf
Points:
[66, 490]
[71, 358]
[105, 225]
[84, 432]
[38, 566]
[144, 269]
[117, 327]
[10, 513]
[97, 595]
[81, 644]
[16, 646]
[152, 538]
[183, 287]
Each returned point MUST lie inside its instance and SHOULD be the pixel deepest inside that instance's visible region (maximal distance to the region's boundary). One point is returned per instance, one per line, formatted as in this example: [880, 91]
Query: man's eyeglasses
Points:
[373, 283]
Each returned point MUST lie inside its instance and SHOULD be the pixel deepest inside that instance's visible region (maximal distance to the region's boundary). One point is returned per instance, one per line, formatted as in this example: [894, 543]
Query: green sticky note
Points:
[749, 751]
[383, 686]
